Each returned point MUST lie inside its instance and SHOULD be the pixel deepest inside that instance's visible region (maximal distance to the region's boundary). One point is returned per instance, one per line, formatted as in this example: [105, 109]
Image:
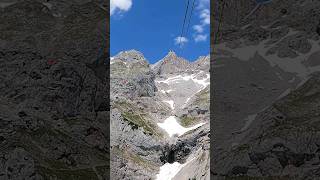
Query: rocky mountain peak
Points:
[203, 60]
[203, 63]
[130, 55]
[146, 106]
[170, 63]
[171, 54]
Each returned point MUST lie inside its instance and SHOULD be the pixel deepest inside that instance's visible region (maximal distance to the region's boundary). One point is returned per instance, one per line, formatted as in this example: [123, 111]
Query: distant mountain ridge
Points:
[169, 64]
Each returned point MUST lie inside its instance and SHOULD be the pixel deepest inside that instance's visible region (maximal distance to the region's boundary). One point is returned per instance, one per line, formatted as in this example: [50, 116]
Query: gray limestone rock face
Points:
[137, 151]
[202, 63]
[170, 64]
[264, 87]
[198, 166]
[131, 75]
[19, 165]
[54, 93]
[248, 23]
[131, 55]
[136, 141]
[313, 60]
[283, 139]
[292, 46]
[139, 147]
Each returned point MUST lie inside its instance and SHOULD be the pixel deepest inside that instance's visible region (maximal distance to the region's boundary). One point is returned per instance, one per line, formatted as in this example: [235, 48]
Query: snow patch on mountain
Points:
[172, 127]
[288, 64]
[170, 102]
[168, 171]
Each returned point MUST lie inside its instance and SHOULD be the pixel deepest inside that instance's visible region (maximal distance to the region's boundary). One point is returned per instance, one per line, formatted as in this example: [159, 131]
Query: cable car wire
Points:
[190, 16]
[184, 21]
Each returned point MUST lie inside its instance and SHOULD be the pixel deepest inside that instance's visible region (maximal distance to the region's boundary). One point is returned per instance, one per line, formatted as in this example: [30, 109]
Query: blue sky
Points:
[154, 26]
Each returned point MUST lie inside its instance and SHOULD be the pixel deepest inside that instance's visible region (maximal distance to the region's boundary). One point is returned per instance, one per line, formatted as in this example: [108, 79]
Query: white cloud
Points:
[120, 6]
[198, 28]
[205, 16]
[180, 40]
[200, 37]
[203, 4]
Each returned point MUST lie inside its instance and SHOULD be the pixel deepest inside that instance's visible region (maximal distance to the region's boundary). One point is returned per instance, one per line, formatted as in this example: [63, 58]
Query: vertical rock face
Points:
[139, 146]
[131, 75]
[135, 137]
[265, 93]
[53, 91]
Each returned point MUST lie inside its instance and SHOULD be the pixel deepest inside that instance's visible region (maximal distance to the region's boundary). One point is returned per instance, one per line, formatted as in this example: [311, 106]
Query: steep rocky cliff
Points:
[265, 92]
[53, 90]
[159, 117]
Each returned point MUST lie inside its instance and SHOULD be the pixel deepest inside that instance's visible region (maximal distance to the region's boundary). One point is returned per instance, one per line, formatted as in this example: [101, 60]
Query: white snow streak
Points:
[202, 82]
[167, 91]
[168, 171]
[186, 78]
[112, 60]
[293, 65]
[172, 127]
[171, 103]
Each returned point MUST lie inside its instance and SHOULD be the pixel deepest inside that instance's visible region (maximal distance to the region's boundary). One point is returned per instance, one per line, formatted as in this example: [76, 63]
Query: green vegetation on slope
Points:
[187, 121]
[134, 158]
[203, 97]
[136, 118]
[138, 121]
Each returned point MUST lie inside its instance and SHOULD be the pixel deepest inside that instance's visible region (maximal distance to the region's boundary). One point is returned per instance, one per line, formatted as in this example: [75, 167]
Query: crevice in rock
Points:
[175, 153]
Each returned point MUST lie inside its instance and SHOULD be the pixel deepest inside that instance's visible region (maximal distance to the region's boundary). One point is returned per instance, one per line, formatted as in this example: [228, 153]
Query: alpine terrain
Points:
[53, 90]
[266, 86]
[159, 117]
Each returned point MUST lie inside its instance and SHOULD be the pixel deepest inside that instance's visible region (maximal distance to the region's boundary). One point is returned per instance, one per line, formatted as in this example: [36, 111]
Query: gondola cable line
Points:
[184, 21]
[188, 25]
[193, 5]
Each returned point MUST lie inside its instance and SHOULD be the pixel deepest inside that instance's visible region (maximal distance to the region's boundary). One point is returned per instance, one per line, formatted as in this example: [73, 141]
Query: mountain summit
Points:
[171, 54]
[170, 63]
[130, 55]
